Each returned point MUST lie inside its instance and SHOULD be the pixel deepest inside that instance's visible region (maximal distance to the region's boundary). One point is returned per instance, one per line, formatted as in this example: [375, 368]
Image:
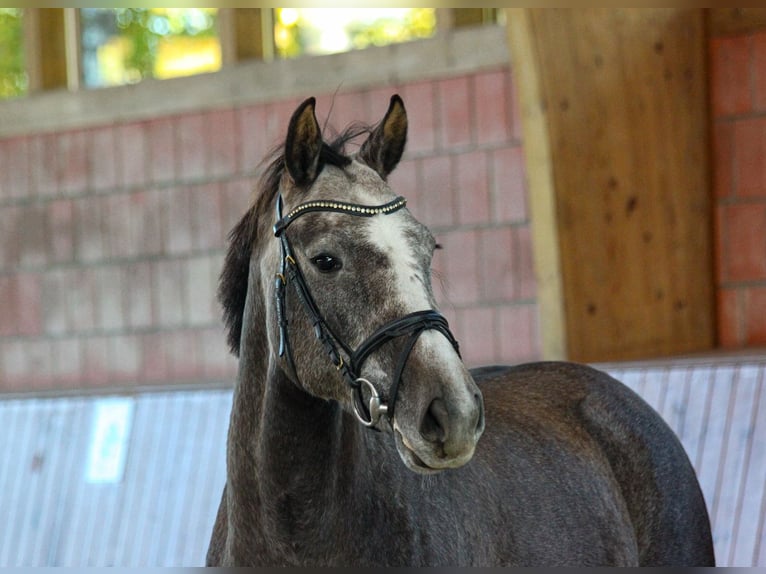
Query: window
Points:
[300, 31]
[13, 77]
[125, 45]
[70, 48]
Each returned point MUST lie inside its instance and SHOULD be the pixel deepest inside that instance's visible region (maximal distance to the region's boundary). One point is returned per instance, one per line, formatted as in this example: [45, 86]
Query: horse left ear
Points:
[303, 144]
[385, 146]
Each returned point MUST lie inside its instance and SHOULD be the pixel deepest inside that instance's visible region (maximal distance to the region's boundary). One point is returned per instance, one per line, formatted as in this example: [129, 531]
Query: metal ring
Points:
[376, 409]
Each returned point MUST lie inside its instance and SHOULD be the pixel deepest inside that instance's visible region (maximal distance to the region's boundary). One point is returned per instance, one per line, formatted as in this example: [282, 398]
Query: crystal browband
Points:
[339, 207]
[352, 208]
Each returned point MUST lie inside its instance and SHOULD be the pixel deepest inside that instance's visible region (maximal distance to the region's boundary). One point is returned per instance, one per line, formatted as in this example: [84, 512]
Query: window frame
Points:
[50, 32]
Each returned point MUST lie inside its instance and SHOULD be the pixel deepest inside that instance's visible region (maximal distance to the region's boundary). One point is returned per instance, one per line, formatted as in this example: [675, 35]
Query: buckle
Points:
[377, 408]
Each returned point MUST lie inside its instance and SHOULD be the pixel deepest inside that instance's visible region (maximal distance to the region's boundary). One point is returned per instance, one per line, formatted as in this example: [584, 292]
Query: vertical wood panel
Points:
[539, 157]
[622, 98]
[45, 48]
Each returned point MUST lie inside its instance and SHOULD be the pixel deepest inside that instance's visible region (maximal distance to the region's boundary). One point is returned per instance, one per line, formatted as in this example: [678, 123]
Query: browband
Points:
[338, 207]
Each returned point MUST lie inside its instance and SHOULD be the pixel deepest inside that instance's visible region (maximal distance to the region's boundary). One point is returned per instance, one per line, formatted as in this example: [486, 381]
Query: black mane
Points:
[232, 283]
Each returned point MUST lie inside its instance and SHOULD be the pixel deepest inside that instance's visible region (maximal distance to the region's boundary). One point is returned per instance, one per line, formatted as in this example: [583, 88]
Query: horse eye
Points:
[327, 263]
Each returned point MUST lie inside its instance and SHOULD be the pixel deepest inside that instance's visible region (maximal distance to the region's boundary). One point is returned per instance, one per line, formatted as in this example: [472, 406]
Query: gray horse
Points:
[355, 429]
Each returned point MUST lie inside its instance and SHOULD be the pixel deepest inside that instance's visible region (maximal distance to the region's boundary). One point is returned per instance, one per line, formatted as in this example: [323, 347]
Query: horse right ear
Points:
[303, 144]
[385, 145]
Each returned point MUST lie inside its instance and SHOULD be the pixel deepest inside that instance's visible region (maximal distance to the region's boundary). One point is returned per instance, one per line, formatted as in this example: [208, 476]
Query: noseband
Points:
[413, 324]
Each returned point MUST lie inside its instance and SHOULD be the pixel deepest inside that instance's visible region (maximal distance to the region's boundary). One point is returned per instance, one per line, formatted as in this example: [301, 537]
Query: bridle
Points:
[413, 324]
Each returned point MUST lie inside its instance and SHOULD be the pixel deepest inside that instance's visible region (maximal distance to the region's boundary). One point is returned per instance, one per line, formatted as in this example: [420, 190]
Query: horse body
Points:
[572, 467]
[559, 480]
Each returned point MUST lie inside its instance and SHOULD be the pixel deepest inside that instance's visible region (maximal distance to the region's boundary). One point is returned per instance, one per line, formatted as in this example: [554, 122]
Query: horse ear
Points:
[303, 144]
[385, 146]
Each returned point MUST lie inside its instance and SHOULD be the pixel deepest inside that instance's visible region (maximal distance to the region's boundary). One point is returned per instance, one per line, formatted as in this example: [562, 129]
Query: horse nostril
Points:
[433, 427]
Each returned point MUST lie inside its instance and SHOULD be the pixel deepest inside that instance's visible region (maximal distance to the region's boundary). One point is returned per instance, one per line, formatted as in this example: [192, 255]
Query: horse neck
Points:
[281, 434]
[299, 467]
[302, 437]
[302, 465]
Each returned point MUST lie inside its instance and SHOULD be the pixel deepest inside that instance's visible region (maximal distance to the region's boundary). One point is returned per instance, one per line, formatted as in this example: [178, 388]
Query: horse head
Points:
[351, 314]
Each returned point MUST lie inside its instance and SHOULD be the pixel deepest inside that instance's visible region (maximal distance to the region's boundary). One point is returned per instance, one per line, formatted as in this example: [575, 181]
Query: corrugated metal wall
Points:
[162, 511]
[718, 410]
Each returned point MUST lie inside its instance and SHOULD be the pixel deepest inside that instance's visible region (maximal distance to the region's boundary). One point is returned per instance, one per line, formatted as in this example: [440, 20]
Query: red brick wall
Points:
[112, 238]
[738, 100]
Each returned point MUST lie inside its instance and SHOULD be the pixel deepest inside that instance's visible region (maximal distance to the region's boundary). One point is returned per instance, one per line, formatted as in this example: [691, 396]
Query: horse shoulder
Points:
[557, 480]
[658, 481]
[655, 478]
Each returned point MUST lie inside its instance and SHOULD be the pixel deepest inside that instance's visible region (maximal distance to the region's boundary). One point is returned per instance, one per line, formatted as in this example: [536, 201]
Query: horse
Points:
[358, 437]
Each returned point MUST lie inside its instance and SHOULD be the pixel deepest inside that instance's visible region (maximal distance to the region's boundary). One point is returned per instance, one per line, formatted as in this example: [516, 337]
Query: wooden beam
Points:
[542, 192]
[450, 18]
[467, 17]
[225, 27]
[246, 34]
[729, 21]
[619, 98]
[252, 34]
[72, 49]
[45, 48]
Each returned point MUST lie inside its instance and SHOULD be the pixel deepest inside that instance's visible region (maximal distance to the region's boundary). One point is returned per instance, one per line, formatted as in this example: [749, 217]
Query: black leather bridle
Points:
[413, 324]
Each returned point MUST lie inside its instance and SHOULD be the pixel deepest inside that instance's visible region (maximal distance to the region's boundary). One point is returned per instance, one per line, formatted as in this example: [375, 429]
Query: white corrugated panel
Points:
[718, 410]
[162, 510]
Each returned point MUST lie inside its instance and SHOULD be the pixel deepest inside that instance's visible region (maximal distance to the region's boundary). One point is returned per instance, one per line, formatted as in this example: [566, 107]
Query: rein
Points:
[412, 324]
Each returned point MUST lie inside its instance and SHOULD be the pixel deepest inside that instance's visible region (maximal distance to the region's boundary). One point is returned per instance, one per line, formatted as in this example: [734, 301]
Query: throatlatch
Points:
[413, 324]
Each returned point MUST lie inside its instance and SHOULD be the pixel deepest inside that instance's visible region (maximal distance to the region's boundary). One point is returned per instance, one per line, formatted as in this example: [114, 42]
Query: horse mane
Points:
[233, 281]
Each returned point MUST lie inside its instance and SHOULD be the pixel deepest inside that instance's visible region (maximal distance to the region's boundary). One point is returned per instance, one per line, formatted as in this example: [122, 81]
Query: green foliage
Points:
[145, 27]
[134, 23]
[142, 30]
[295, 36]
[418, 23]
[13, 77]
[287, 37]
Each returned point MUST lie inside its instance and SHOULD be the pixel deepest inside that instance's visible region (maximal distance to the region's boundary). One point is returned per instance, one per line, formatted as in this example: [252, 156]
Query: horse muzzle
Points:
[443, 434]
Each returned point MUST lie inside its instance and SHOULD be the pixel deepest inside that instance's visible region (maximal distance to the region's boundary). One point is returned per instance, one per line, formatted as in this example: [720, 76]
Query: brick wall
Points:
[738, 100]
[112, 236]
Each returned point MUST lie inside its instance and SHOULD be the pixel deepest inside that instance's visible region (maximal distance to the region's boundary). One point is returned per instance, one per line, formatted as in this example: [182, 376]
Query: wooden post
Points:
[614, 105]
[542, 192]
[72, 47]
[45, 48]
[246, 34]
